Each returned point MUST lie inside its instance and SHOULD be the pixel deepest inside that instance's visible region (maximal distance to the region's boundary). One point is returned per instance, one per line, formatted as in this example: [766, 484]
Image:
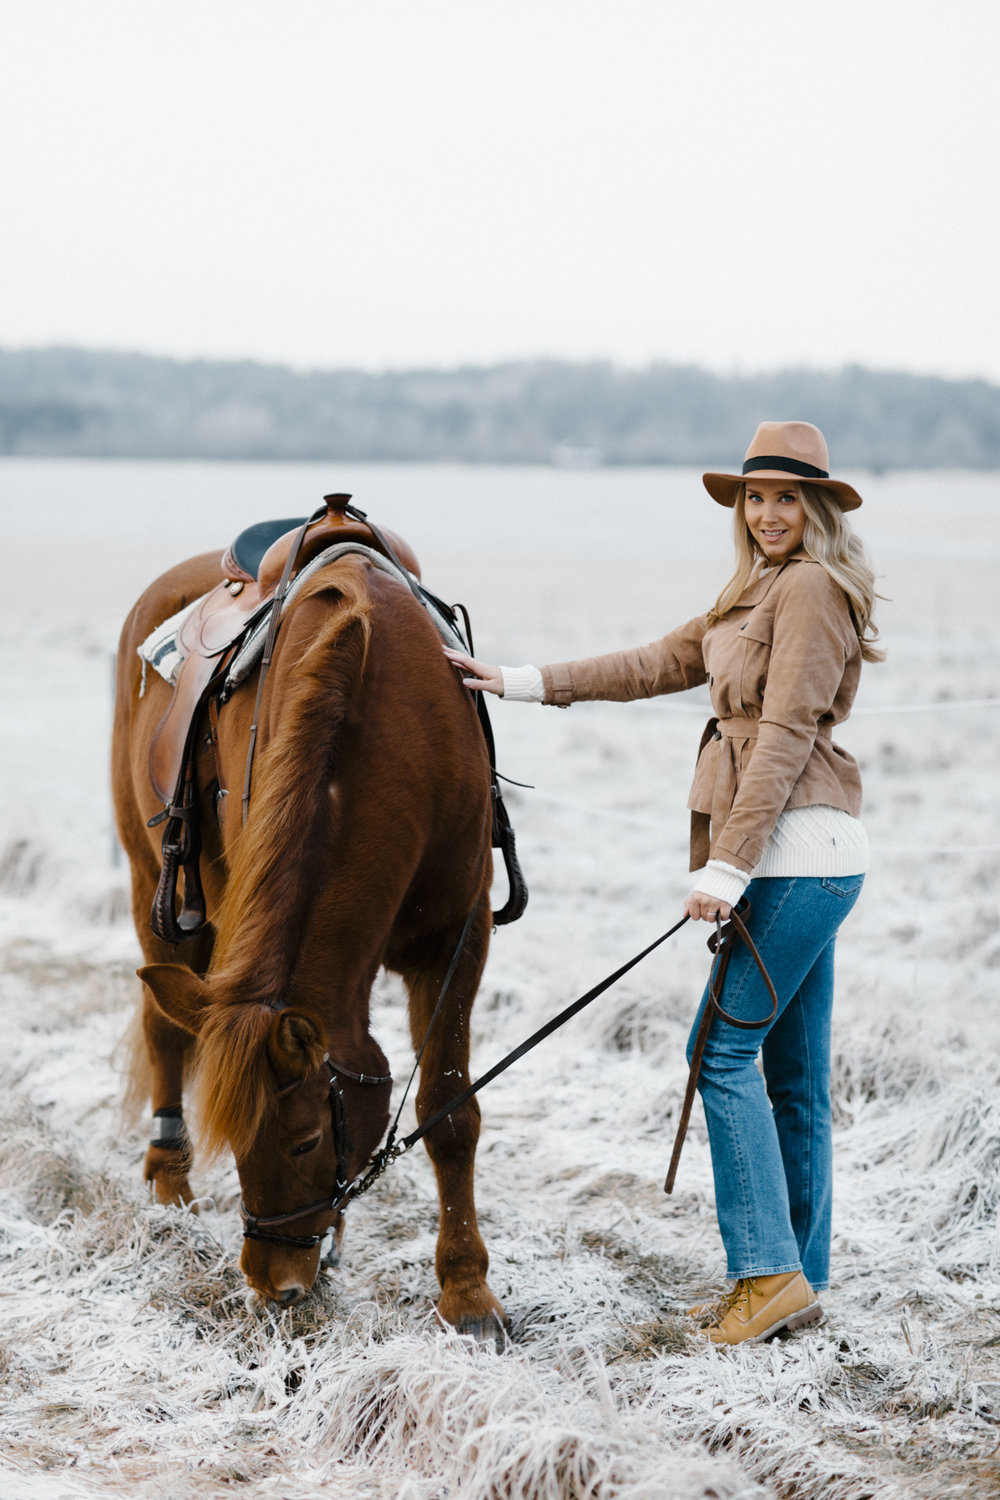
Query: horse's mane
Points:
[269, 888]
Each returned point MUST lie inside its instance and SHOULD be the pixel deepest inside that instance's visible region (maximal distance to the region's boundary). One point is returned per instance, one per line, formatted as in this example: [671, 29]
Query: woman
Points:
[775, 808]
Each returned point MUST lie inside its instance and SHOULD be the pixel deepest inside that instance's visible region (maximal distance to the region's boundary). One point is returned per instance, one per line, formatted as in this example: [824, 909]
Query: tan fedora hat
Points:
[780, 449]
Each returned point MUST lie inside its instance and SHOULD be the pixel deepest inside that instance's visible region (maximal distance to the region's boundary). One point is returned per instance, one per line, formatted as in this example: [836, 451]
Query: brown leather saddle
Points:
[257, 568]
[251, 567]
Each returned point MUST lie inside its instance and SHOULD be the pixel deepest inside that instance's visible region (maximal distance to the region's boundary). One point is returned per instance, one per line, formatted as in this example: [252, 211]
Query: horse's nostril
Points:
[290, 1294]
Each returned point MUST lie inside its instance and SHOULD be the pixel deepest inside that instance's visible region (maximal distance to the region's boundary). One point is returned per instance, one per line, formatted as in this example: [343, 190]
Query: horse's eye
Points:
[306, 1147]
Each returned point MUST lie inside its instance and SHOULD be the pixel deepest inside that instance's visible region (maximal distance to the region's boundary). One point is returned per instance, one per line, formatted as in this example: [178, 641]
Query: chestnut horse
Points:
[367, 843]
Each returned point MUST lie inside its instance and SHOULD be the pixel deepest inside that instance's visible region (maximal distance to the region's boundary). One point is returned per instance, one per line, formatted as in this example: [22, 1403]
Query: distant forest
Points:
[63, 401]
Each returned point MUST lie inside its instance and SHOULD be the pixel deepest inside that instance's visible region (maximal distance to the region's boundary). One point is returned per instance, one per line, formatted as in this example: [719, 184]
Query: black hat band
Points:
[787, 466]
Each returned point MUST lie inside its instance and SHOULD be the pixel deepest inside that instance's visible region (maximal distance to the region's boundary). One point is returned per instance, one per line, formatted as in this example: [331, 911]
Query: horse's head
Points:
[299, 1125]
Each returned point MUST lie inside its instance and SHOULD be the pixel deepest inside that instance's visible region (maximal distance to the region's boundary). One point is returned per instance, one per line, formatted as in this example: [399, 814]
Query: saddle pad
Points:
[162, 651]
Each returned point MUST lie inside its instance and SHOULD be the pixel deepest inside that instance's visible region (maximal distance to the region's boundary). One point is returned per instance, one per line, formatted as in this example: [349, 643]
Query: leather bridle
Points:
[257, 1226]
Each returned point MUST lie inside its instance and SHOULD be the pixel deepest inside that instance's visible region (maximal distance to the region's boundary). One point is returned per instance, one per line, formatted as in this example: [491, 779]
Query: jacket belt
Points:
[737, 728]
[726, 781]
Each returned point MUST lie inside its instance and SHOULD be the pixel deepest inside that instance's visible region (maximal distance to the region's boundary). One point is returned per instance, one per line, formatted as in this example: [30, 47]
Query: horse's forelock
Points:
[234, 1084]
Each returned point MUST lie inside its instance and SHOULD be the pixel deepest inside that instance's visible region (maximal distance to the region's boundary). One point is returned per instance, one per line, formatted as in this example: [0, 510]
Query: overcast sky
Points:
[397, 182]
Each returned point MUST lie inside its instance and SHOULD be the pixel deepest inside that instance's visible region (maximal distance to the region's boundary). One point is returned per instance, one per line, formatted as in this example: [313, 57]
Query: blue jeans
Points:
[770, 1136]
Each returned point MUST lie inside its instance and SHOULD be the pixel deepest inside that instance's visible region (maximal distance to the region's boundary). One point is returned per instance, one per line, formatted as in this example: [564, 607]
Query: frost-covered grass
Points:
[130, 1363]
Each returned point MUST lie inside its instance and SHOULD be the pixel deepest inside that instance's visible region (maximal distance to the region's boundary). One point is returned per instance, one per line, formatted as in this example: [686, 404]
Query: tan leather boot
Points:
[761, 1306]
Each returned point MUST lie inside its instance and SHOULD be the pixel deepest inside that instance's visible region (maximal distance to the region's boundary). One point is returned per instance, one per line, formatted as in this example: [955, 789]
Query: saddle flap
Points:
[219, 618]
[166, 752]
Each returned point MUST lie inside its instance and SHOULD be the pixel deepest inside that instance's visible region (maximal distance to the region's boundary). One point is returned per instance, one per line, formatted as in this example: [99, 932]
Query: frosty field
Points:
[130, 1365]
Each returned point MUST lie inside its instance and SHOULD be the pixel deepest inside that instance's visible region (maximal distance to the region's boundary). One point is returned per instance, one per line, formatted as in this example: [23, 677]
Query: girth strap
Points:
[181, 846]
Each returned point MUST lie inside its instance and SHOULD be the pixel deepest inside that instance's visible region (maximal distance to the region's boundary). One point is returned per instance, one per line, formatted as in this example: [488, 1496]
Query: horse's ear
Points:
[295, 1043]
[179, 993]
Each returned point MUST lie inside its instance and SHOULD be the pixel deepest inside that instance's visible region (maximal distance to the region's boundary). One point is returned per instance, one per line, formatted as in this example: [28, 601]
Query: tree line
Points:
[96, 403]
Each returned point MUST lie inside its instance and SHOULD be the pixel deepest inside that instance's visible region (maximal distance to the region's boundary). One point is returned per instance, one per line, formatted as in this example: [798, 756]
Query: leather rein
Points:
[721, 944]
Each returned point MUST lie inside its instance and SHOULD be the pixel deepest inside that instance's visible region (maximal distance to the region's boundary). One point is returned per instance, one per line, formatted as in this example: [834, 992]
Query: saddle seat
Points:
[242, 557]
[251, 567]
[259, 553]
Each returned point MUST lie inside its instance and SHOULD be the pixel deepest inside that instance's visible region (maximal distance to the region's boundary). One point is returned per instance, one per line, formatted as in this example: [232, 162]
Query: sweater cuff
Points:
[724, 882]
[522, 684]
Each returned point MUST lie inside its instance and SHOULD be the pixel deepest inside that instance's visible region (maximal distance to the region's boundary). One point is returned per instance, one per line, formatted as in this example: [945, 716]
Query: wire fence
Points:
[939, 705]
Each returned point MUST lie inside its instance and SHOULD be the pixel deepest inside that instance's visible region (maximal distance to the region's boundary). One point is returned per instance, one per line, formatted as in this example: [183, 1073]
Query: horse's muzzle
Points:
[279, 1279]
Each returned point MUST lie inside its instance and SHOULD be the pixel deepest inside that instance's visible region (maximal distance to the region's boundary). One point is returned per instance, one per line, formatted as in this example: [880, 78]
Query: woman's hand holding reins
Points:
[703, 908]
[484, 678]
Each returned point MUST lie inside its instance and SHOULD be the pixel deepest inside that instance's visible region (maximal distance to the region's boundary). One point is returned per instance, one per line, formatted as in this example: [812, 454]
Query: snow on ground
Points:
[130, 1363]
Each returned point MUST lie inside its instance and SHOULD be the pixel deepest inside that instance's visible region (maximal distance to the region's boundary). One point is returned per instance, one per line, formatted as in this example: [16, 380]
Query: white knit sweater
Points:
[820, 841]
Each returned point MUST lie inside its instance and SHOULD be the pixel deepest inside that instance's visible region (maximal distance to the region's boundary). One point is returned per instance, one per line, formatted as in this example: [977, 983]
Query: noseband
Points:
[257, 1226]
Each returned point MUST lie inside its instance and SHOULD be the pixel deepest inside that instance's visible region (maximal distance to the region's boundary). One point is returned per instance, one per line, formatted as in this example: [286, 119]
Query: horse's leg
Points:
[159, 1049]
[168, 1162]
[168, 1049]
[461, 1260]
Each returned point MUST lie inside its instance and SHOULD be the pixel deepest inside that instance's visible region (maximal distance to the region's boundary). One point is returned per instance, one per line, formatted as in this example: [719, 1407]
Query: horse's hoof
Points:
[166, 1173]
[173, 1193]
[492, 1331]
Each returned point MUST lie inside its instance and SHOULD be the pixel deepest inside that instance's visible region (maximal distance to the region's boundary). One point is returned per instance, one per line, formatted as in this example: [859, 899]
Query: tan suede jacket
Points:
[782, 668]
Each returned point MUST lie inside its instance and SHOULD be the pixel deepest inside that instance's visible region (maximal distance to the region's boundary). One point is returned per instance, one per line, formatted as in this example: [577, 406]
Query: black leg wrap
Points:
[168, 1130]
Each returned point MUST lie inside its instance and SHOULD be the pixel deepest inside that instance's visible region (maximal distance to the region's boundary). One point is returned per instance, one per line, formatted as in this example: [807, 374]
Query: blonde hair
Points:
[829, 540]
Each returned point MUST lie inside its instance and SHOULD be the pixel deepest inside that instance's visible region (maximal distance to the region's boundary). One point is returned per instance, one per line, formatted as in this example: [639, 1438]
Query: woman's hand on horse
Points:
[703, 908]
[484, 678]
